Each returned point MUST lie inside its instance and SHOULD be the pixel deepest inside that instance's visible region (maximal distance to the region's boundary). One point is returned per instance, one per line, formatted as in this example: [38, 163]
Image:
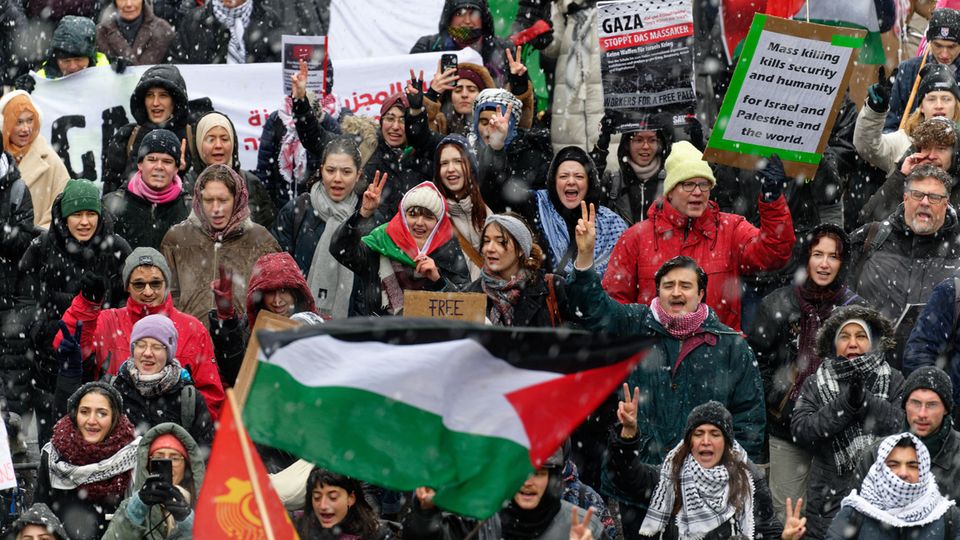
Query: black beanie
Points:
[934, 78]
[944, 24]
[159, 141]
[116, 399]
[713, 413]
[930, 378]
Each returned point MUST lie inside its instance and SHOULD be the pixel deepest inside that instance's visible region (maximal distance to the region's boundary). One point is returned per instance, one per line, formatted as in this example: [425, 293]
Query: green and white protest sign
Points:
[784, 96]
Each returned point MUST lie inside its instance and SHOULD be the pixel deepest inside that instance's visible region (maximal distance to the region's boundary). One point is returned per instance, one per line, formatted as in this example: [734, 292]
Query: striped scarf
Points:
[705, 504]
[848, 444]
[236, 20]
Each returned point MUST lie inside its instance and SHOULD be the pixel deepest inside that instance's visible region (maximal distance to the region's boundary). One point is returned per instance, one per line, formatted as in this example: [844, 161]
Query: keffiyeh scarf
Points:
[885, 497]
[236, 20]
[705, 501]
[848, 444]
[609, 228]
[103, 469]
[680, 326]
[327, 275]
[292, 159]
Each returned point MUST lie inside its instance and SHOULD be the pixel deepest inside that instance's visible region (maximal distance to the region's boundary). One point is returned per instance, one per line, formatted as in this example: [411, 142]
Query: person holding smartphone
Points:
[166, 482]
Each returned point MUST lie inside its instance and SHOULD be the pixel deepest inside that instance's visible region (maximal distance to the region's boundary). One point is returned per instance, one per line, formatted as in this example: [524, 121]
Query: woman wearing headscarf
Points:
[219, 232]
[41, 169]
[157, 508]
[455, 174]
[849, 402]
[706, 488]
[415, 250]
[216, 143]
[784, 341]
[85, 469]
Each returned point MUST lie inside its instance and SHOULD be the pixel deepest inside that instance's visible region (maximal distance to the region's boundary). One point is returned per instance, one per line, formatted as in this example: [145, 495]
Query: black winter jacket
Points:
[268, 160]
[202, 39]
[531, 309]
[141, 222]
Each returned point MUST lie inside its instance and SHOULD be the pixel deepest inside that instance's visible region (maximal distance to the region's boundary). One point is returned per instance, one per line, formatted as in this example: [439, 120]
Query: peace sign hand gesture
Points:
[516, 67]
[500, 124]
[627, 412]
[586, 236]
[796, 526]
[371, 197]
[299, 81]
[580, 530]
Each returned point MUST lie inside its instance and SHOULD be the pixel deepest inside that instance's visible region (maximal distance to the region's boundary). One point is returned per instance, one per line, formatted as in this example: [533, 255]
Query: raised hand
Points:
[299, 81]
[69, 350]
[427, 267]
[580, 530]
[414, 90]
[425, 497]
[627, 412]
[93, 286]
[796, 526]
[371, 197]
[586, 231]
[516, 66]
[443, 82]
[183, 154]
[223, 293]
[500, 124]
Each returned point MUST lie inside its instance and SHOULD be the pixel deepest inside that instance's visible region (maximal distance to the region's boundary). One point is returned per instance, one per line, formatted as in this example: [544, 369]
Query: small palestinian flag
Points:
[468, 410]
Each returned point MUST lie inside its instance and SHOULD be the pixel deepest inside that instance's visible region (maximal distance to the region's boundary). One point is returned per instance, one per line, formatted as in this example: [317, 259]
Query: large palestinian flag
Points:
[466, 409]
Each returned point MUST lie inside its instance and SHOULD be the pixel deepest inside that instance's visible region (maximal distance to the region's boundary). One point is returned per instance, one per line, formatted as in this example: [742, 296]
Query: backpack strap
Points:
[469, 250]
[188, 406]
[133, 137]
[877, 234]
[553, 307]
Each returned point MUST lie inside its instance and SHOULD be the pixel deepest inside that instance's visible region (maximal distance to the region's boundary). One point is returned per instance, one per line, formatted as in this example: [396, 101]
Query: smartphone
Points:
[448, 61]
[161, 469]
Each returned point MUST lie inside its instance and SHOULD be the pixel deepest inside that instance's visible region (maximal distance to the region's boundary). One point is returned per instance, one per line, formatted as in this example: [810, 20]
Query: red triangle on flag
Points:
[236, 499]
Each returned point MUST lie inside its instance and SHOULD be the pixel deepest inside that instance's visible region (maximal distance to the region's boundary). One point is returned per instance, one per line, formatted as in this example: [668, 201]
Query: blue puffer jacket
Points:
[933, 337]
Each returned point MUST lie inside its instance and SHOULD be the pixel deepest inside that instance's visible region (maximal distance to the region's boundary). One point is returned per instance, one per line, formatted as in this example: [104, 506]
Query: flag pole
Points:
[916, 84]
[248, 461]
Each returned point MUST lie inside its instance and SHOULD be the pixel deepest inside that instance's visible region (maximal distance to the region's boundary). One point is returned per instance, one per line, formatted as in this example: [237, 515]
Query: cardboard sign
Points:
[443, 305]
[784, 95]
[646, 63]
[248, 369]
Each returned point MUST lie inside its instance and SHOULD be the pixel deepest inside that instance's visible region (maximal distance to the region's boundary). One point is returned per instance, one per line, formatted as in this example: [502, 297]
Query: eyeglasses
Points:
[155, 348]
[704, 186]
[176, 459]
[393, 119]
[140, 285]
[935, 198]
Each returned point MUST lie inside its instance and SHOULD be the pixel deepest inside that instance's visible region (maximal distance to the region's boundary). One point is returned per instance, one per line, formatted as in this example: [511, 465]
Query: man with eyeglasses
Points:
[686, 222]
[104, 334]
[898, 261]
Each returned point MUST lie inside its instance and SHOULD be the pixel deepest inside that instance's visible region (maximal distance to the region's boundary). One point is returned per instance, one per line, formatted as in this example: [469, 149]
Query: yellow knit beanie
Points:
[683, 163]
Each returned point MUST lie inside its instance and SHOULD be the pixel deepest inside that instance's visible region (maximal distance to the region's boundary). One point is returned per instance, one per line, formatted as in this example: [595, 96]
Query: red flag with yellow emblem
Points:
[236, 499]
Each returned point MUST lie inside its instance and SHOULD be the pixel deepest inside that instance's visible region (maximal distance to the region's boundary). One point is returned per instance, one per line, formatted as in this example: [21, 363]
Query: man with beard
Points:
[898, 261]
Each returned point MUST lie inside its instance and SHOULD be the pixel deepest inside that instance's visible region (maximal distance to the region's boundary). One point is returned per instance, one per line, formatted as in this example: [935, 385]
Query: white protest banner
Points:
[370, 28]
[784, 95]
[73, 107]
[8, 479]
[310, 49]
[647, 59]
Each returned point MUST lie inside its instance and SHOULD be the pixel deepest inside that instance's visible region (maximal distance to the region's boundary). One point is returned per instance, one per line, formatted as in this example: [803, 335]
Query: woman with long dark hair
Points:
[336, 503]
[455, 175]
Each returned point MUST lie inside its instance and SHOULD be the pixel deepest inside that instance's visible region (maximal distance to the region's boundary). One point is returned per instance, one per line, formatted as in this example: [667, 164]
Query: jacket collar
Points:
[138, 311]
[668, 218]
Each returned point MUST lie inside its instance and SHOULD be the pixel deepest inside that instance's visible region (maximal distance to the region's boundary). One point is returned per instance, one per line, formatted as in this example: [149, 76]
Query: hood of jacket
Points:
[451, 6]
[662, 124]
[61, 235]
[277, 271]
[38, 514]
[880, 328]
[197, 162]
[573, 153]
[167, 77]
[195, 457]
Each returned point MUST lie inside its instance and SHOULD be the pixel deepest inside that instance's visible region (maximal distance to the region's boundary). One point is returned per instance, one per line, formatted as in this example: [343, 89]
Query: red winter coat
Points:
[724, 245]
[106, 333]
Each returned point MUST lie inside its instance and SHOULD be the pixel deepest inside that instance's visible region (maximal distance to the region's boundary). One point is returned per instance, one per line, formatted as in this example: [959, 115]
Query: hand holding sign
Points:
[586, 231]
[771, 179]
[371, 197]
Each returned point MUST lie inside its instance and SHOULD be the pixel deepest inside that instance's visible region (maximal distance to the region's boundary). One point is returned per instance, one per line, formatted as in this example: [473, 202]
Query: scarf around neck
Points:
[503, 294]
[849, 443]
[138, 187]
[609, 228]
[329, 281]
[816, 304]
[156, 384]
[888, 499]
[705, 503]
[103, 468]
[236, 21]
[647, 172]
[680, 326]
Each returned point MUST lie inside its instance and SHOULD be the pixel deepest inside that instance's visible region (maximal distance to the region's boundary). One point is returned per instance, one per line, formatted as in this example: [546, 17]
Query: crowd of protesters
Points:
[806, 355]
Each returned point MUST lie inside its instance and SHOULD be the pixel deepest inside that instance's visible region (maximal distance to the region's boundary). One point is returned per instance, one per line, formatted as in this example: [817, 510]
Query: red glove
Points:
[223, 294]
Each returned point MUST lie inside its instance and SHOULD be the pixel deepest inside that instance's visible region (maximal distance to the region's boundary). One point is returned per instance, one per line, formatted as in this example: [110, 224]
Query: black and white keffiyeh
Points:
[887, 498]
[705, 505]
[236, 20]
[848, 444]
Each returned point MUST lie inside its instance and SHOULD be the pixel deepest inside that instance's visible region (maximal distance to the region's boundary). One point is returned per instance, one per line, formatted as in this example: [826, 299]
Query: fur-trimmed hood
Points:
[880, 328]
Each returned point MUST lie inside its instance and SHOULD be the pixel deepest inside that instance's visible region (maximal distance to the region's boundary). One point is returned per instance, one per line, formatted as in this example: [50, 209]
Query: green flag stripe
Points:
[387, 442]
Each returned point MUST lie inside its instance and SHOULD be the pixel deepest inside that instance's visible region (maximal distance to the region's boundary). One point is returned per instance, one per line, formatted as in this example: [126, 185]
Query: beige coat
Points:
[45, 175]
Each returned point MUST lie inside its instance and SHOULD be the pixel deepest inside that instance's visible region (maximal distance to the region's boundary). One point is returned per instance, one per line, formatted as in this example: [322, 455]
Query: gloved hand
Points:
[607, 126]
[771, 179]
[415, 91]
[71, 359]
[93, 286]
[544, 40]
[154, 491]
[120, 65]
[855, 392]
[878, 94]
[25, 82]
[223, 294]
[175, 503]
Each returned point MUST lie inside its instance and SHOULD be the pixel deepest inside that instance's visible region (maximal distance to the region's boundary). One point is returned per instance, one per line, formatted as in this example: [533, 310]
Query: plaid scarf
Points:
[894, 502]
[236, 20]
[848, 444]
[503, 294]
[705, 499]
[680, 326]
